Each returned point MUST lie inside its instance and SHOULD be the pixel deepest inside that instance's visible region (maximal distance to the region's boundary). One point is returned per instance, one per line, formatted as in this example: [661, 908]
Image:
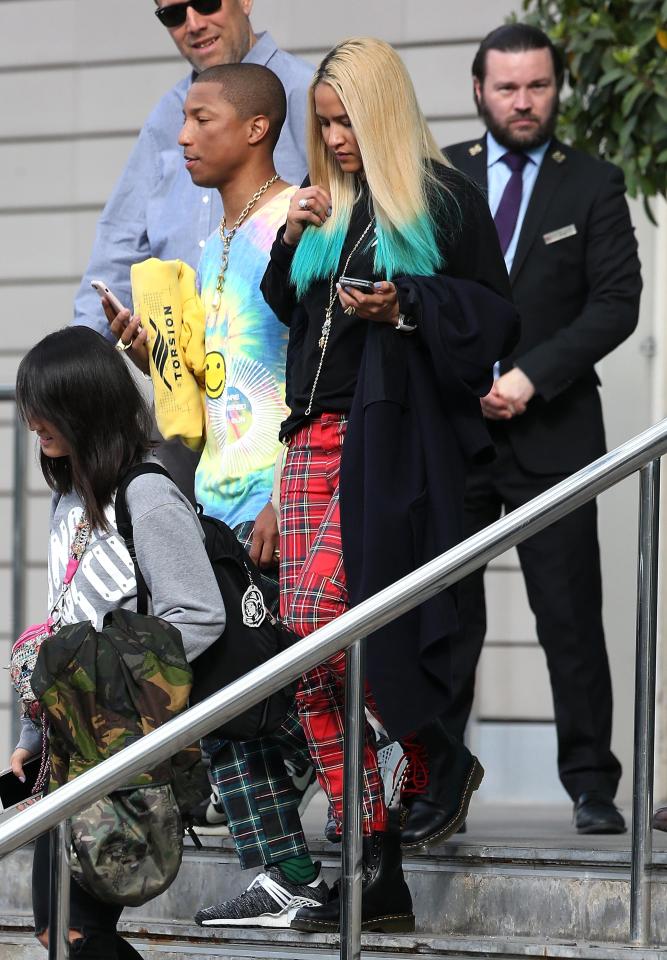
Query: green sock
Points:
[298, 870]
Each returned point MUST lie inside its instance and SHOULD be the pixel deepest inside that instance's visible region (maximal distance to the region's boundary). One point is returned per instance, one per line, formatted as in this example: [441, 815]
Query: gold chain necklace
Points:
[328, 314]
[228, 237]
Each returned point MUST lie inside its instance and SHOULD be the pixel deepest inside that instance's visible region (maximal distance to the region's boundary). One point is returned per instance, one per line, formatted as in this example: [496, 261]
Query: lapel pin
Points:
[475, 149]
[558, 156]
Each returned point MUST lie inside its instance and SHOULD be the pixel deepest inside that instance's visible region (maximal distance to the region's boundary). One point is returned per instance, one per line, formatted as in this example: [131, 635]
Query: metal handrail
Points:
[8, 395]
[351, 628]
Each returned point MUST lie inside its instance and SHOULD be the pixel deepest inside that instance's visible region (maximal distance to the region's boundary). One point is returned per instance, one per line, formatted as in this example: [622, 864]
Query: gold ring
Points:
[122, 347]
[349, 311]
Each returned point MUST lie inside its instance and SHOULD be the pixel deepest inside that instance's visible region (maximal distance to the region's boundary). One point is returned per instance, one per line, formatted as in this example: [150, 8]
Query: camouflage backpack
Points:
[103, 690]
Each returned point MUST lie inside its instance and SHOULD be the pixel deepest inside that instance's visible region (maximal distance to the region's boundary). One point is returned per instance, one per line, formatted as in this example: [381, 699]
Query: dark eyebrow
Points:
[341, 116]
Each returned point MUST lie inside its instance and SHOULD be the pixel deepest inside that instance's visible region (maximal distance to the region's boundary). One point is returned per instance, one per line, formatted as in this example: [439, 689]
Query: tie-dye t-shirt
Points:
[245, 371]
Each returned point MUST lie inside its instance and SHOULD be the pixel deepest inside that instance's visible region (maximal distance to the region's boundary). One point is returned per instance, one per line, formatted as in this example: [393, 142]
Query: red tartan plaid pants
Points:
[313, 592]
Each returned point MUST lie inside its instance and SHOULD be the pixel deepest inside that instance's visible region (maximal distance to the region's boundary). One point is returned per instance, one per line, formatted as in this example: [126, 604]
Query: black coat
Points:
[578, 298]
[414, 426]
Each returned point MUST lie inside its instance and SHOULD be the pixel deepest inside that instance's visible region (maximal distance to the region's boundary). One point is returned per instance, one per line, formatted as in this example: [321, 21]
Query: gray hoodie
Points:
[168, 540]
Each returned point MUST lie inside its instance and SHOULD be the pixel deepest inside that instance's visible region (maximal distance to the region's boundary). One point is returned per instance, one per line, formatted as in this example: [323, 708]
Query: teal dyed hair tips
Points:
[412, 250]
[317, 255]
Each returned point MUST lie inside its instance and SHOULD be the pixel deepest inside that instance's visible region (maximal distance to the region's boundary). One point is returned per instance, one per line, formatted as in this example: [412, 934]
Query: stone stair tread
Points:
[512, 876]
[173, 940]
[567, 853]
[501, 832]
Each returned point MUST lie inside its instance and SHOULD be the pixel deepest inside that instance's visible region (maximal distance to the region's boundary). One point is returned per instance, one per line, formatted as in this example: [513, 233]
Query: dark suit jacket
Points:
[578, 298]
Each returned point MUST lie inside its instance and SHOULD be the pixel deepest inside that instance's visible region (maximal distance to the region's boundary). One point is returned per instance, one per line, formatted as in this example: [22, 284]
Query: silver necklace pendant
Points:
[253, 609]
[326, 327]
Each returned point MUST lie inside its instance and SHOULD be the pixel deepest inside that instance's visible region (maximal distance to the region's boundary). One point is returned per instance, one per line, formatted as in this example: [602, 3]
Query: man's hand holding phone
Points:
[380, 305]
[130, 335]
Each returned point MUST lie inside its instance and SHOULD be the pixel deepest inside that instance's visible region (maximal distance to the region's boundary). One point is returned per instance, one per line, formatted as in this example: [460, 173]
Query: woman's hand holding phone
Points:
[127, 329]
[309, 205]
[380, 306]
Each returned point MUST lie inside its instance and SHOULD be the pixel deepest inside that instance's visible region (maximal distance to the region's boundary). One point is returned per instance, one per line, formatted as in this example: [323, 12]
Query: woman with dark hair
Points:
[74, 390]
[389, 275]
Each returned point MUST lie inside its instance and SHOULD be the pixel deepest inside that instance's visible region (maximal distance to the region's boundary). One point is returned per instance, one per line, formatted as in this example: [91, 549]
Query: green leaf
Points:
[625, 82]
[627, 131]
[611, 75]
[630, 98]
[644, 157]
[662, 157]
[645, 33]
[649, 212]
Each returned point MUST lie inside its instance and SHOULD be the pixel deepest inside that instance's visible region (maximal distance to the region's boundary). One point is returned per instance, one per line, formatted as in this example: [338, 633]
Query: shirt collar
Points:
[261, 52]
[494, 151]
[263, 49]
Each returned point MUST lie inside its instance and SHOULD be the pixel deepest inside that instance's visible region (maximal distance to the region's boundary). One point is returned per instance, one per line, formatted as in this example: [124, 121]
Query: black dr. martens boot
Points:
[386, 904]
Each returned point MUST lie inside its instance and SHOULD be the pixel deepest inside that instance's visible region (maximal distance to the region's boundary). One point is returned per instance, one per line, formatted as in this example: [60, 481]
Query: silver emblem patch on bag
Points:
[252, 607]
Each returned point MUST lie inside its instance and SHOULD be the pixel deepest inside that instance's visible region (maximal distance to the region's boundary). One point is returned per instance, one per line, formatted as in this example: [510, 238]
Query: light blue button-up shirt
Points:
[156, 211]
[498, 174]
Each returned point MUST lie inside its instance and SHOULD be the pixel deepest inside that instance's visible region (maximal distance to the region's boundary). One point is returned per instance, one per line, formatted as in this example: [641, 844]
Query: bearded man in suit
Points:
[570, 250]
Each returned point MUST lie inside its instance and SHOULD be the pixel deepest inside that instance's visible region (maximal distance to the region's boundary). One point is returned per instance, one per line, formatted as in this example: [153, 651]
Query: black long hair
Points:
[76, 380]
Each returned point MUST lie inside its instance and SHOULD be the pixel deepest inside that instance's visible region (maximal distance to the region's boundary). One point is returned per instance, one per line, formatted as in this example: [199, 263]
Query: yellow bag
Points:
[165, 297]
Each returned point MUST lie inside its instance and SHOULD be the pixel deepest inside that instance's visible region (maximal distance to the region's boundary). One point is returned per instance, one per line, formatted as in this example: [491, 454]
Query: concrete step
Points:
[518, 881]
[181, 942]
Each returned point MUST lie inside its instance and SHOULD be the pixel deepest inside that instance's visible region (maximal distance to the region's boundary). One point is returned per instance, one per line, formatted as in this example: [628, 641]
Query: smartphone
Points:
[12, 791]
[103, 291]
[366, 286]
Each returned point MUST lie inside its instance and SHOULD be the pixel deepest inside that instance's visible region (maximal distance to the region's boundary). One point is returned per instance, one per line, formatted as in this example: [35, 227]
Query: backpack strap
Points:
[124, 523]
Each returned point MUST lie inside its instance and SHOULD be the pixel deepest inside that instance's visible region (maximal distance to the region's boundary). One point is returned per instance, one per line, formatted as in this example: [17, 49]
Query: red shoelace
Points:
[415, 780]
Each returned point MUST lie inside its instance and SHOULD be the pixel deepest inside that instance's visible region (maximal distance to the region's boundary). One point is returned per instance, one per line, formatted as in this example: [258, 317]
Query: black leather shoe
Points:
[660, 819]
[386, 904]
[454, 774]
[594, 812]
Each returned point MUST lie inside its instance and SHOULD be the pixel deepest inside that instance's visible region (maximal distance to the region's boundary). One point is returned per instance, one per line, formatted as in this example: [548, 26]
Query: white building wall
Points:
[77, 78]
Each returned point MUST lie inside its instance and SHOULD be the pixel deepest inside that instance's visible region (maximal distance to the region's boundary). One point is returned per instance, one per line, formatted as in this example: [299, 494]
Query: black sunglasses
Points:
[174, 15]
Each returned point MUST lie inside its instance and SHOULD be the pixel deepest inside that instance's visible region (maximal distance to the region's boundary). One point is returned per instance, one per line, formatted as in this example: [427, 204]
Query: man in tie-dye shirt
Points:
[228, 143]
[233, 115]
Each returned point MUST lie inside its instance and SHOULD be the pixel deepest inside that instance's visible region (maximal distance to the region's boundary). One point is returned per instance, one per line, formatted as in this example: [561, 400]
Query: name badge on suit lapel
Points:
[555, 235]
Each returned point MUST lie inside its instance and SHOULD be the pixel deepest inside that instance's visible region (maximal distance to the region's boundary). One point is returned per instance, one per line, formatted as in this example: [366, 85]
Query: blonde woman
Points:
[384, 375]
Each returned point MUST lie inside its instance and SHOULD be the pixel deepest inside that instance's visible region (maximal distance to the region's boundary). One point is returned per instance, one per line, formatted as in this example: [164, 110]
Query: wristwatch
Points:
[405, 324]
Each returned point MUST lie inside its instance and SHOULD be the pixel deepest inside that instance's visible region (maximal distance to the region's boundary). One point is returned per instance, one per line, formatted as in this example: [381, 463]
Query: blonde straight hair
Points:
[397, 150]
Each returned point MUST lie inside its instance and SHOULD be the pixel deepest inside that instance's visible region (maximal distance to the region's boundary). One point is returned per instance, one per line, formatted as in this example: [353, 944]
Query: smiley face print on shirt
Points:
[215, 375]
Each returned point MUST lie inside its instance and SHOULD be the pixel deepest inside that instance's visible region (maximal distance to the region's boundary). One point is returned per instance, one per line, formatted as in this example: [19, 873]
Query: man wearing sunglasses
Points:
[155, 210]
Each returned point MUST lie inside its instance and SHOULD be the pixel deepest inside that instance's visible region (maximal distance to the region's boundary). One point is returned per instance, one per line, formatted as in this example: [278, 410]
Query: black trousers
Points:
[95, 920]
[561, 569]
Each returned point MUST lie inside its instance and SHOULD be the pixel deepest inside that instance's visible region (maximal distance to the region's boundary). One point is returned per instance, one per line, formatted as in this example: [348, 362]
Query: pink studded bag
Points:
[25, 650]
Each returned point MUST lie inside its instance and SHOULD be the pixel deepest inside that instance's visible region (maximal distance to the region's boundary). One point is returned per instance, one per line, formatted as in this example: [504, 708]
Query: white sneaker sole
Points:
[268, 920]
[214, 830]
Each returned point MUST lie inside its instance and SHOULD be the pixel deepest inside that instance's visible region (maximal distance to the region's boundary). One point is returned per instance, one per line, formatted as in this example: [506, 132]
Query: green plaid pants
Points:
[258, 794]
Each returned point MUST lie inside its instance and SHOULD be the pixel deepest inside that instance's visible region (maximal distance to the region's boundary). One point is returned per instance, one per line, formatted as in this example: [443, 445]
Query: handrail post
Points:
[18, 544]
[645, 670]
[59, 889]
[351, 874]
